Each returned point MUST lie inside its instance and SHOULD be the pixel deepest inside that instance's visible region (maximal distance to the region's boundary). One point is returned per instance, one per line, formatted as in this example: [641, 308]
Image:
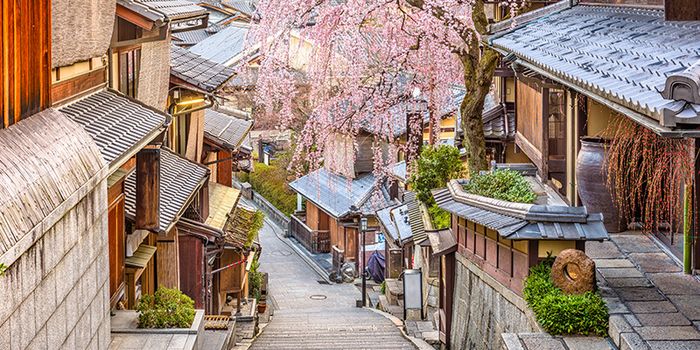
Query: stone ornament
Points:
[573, 272]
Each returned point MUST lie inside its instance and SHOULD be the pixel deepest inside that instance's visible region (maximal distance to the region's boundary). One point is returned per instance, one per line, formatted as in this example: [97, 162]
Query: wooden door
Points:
[116, 247]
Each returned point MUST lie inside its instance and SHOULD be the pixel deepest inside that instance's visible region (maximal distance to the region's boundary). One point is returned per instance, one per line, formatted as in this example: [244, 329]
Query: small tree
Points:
[435, 166]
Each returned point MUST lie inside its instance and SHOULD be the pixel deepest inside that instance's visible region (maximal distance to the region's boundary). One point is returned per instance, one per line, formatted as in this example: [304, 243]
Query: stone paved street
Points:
[311, 315]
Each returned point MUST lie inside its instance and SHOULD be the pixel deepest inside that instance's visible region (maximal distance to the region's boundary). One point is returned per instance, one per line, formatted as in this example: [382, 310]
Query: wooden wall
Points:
[25, 63]
[167, 260]
[312, 213]
[192, 261]
[529, 109]
[116, 241]
[224, 169]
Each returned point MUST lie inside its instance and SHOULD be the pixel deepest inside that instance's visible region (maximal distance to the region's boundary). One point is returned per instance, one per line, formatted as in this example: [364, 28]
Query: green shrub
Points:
[559, 313]
[440, 217]
[270, 181]
[168, 308]
[255, 279]
[382, 287]
[435, 166]
[507, 185]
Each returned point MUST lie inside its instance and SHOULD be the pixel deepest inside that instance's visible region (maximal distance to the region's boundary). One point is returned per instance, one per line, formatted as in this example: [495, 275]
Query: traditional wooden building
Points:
[227, 143]
[564, 93]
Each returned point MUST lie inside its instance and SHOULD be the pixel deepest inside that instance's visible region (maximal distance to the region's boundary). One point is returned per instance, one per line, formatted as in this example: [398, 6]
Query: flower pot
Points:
[262, 306]
[591, 180]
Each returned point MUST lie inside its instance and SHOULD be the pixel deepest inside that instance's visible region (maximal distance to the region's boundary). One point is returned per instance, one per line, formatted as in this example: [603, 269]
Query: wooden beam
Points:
[682, 10]
[134, 18]
[66, 89]
[148, 189]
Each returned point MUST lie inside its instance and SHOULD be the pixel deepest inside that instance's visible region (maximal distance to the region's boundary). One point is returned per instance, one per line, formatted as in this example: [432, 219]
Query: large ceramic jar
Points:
[591, 179]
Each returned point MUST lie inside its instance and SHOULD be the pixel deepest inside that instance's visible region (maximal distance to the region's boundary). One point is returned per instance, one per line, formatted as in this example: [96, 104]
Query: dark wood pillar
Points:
[682, 10]
[148, 188]
[224, 169]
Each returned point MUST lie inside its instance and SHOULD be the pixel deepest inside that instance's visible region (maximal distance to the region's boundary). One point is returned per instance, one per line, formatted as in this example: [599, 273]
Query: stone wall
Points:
[56, 294]
[483, 309]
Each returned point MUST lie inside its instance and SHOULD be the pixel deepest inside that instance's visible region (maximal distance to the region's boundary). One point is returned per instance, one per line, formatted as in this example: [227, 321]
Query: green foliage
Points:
[271, 182]
[168, 308]
[559, 313]
[440, 218]
[507, 185]
[3, 268]
[255, 226]
[435, 166]
[382, 287]
[255, 278]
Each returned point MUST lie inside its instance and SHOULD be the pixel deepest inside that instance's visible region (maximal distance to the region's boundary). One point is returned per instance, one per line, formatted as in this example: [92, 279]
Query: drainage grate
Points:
[323, 282]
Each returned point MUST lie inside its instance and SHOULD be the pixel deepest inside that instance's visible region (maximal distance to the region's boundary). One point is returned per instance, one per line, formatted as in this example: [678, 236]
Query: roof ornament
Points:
[684, 86]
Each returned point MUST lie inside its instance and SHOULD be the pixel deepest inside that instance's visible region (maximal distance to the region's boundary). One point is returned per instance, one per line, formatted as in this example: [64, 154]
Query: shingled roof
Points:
[46, 160]
[180, 179]
[197, 71]
[175, 9]
[223, 46]
[520, 221]
[118, 124]
[226, 130]
[335, 194]
[624, 55]
[192, 37]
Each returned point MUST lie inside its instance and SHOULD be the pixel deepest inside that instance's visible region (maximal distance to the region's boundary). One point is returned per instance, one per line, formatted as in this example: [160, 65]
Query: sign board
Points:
[412, 290]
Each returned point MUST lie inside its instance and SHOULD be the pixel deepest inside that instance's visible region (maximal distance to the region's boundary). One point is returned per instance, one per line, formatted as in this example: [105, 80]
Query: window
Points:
[556, 126]
[129, 68]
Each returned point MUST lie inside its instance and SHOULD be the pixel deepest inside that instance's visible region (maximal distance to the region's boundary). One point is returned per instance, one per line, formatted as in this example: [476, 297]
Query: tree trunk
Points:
[478, 75]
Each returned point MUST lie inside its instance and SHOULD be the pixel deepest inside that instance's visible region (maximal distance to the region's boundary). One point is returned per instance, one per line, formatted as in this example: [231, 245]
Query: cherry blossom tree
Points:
[365, 64]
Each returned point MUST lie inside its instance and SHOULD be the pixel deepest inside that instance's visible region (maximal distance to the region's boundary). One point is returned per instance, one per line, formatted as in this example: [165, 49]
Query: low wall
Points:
[272, 212]
[483, 309]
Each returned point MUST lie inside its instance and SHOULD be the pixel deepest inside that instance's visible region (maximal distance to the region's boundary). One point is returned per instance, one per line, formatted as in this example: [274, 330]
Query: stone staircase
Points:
[392, 300]
[330, 329]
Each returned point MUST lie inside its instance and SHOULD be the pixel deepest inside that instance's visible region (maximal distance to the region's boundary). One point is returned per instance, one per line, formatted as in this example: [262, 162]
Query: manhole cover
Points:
[280, 253]
[317, 297]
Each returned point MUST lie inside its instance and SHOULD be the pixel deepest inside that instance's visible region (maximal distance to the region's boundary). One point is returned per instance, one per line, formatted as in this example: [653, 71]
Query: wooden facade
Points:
[116, 241]
[25, 62]
[529, 136]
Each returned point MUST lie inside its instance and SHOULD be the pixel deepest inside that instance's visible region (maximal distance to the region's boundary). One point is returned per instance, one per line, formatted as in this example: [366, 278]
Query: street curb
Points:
[419, 343]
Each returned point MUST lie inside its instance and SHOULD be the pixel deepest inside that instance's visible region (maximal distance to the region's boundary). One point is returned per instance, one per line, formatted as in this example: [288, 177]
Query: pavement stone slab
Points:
[674, 345]
[586, 343]
[654, 262]
[622, 272]
[628, 282]
[603, 263]
[616, 306]
[668, 333]
[688, 305]
[641, 307]
[632, 341]
[663, 319]
[541, 341]
[635, 243]
[640, 294]
[602, 250]
[675, 283]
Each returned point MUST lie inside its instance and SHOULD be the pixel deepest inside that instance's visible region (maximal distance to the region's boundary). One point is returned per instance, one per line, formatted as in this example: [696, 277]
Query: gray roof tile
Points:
[117, 123]
[335, 194]
[225, 129]
[180, 179]
[224, 45]
[175, 9]
[200, 72]
[622, 53]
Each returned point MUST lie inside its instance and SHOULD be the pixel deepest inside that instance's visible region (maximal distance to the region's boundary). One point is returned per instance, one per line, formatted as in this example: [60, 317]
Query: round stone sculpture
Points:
[573, 272]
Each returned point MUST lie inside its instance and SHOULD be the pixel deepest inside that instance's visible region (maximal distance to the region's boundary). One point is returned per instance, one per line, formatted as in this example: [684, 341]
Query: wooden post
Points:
[682, 10]
[148, 188]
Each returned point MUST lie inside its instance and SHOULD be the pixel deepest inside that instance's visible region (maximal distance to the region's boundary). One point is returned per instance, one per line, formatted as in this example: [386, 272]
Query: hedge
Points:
[270, 181]
[168, 308]
[508, 185]
[559, 313]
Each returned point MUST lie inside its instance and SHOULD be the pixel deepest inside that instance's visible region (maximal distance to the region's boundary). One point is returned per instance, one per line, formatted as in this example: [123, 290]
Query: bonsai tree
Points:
[167, 308]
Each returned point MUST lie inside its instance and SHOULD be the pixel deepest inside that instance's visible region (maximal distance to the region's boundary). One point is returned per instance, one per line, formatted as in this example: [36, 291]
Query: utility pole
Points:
[363, 229]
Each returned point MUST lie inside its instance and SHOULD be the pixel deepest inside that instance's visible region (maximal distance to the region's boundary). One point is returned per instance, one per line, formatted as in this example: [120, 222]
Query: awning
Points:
[226, 130]
[197, 71]
[442, 242]
[222, 203]
[238, 225]
[141, 256]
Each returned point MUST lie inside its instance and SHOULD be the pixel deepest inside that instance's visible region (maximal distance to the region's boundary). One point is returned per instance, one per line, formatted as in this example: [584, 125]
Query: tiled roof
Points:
[223, 46]
[335, 194]
[522, 221]
[415, 217]
[246, 7]
[225, 129]
[498, 124]
[200, 72]
[175, 9]
[398, 170]
[180, 179]
[117, 123]
[623, 54]
[192, 37]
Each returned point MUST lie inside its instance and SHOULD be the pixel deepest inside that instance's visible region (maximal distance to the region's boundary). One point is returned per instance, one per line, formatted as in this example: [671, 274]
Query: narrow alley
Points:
[313, 315]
